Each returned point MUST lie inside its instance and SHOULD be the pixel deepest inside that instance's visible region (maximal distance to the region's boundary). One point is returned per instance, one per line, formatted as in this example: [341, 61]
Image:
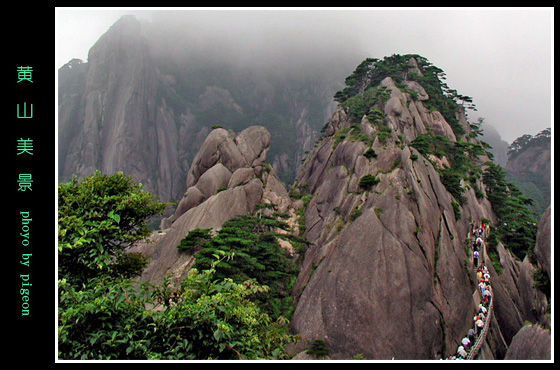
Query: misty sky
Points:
[501, 57]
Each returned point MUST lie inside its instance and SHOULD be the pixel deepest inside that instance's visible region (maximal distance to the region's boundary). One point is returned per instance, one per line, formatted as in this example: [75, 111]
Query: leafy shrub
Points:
[452, 182]
[318, 349]
[104, 315]
[375, 116]
[384, 132]
[257, 255]
[541, 281]
[368, 181]
[370, 153]
[357, 212]
[195, 240]
[99, 217]
[516, 228]
[204, 318]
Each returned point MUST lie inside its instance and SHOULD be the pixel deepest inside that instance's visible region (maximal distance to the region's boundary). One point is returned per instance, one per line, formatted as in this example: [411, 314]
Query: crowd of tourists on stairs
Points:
[483, 279]
[480, 318]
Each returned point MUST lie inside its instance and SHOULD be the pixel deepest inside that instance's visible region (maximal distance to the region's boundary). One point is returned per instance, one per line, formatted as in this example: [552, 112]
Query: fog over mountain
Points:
[501, 57]
[334, 153]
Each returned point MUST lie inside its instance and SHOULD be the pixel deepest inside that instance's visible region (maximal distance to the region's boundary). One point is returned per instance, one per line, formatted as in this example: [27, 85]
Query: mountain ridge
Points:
[140, 100]
[399, 238]
[385, 198]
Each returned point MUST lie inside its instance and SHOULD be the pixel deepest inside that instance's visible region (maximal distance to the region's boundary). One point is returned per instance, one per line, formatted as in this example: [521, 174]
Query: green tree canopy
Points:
[102, 314]
[99, 217]
[205, 318]
[516, 228]
[252, 240]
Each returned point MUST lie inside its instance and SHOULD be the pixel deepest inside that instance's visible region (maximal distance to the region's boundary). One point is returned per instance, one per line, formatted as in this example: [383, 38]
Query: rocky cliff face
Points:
[529, 167]
[389, 273]
[148, 96]
[531, 343]
[519, 303]
[114, 120]
[228, 177]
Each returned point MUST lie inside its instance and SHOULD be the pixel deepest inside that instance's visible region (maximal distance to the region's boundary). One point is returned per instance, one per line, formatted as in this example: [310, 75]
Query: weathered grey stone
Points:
[440, 126]
[209, 154]
[530, 343]
[203, 207]
[241, 176]
[253, 143]
[543, 249]
[213, 179]
[418, 89]
[193, 197]
[118, 124]
[389, 280]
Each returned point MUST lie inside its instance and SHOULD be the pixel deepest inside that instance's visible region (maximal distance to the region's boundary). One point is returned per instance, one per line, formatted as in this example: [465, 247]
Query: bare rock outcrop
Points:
[223, 155]
[149, 94]
[389, 271]
[227, 178]
[543, 248]
[531, 343]
[387, 274]
[110, 117]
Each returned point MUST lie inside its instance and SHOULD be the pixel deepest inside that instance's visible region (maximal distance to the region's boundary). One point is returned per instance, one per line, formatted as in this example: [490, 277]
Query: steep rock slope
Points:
[229, 177]
[531, 343]
[149, 94]
[114, 121]
[529, 167]
[389, 273]
[533, 305]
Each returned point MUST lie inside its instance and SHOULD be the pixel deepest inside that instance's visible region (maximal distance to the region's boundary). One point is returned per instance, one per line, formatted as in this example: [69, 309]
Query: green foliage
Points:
[372, 71]
[98, 218]
[366, 104]
[356, 81]
[300, 213]
[535, 186]
[205, 318]
[318, 349]
[528, 141]
[370, 153]
[306, 199]
[353, 134]
[541, 281]
[464, 160]
[340, 136]
[257, 255]
[195, 240]
[383, 133]
[367, 182]
[221, 189]
[376, 116]
[456, 210]
[452, 182]
[437, 145]
[357, 212]
[476, 128]
[104, 315]
[516, 228]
